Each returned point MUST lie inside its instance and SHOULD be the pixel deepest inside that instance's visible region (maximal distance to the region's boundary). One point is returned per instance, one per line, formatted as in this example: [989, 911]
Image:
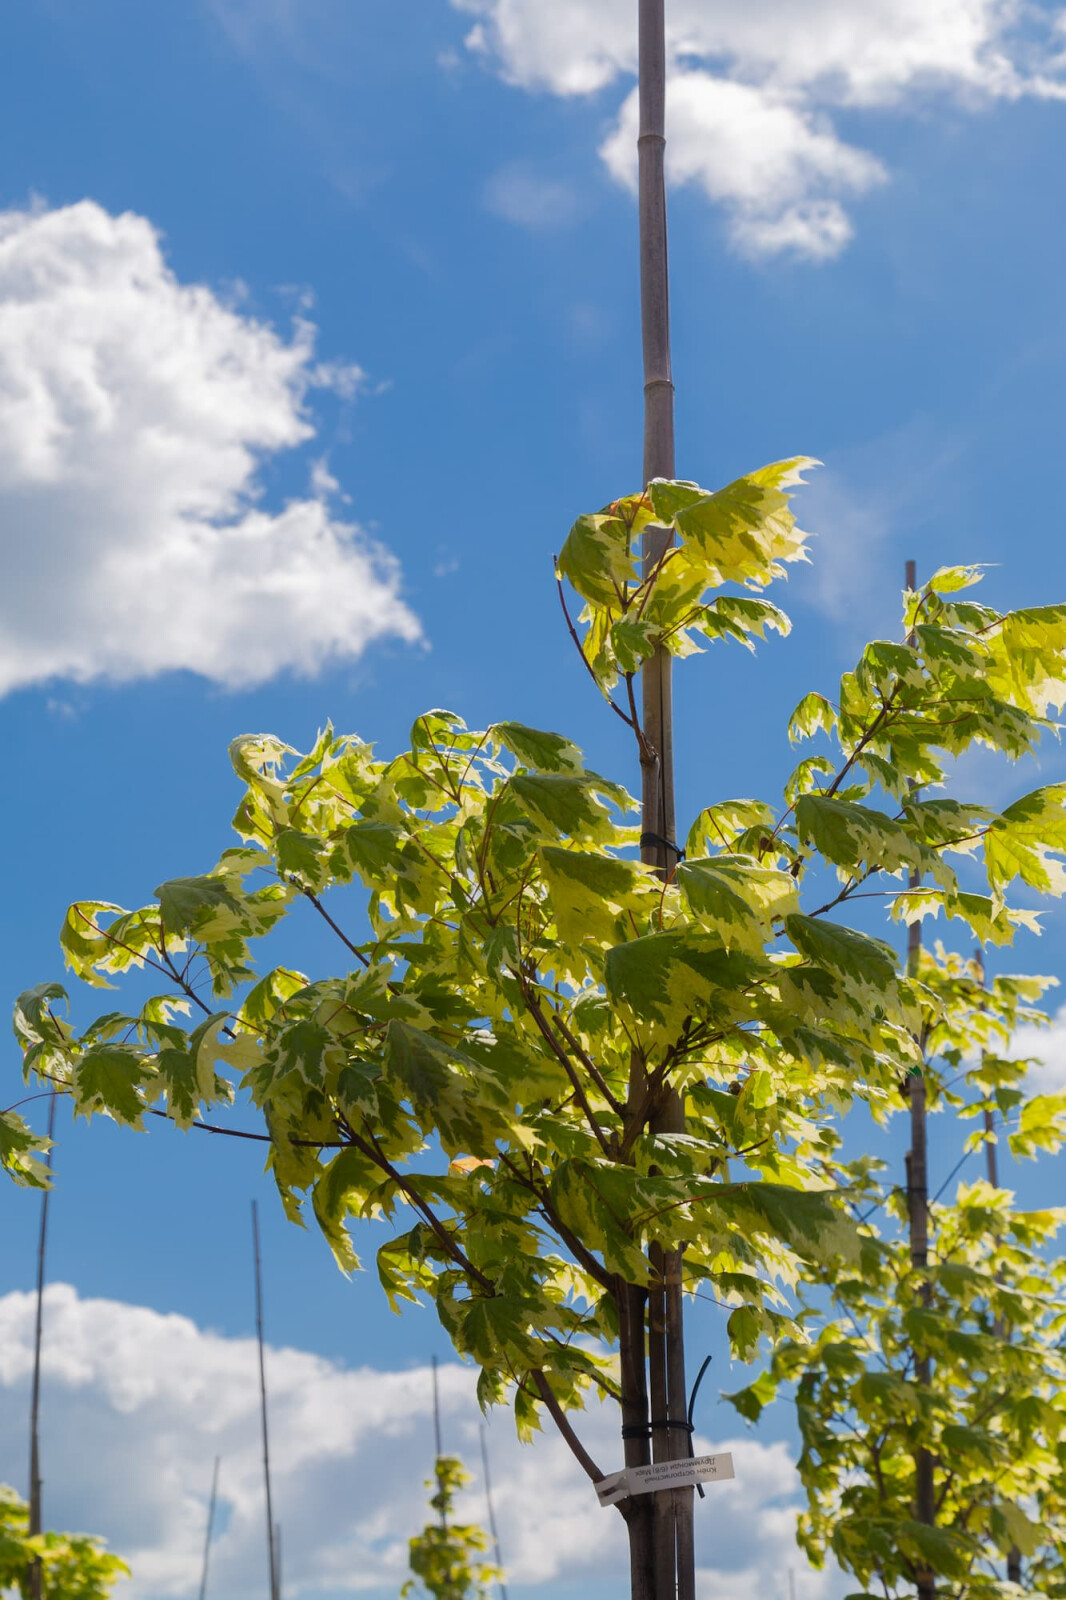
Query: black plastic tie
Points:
[644, 1430]
[647, 839]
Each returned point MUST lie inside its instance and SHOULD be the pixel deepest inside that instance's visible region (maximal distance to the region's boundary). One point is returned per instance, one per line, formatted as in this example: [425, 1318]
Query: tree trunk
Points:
[638, 1510]
[918, 1208]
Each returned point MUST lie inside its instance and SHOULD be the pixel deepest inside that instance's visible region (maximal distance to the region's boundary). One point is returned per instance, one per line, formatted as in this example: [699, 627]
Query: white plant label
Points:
[664, 1475]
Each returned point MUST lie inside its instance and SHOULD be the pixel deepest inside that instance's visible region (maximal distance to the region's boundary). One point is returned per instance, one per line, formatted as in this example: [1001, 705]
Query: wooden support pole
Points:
[1014, 1555]
[492, 1511]
[210, 1529]
[674, 1555]
[437, 1444]
[36, 1576]
[272, 1538]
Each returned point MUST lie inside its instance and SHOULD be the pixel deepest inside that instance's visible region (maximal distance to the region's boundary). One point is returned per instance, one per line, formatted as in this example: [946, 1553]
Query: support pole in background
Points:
[35, 1573]
[497, 1554]
[1014, 1555]
[272, 1542]
[210, 1529]
[674, 1558]
[438, 1446]
[918, 1216]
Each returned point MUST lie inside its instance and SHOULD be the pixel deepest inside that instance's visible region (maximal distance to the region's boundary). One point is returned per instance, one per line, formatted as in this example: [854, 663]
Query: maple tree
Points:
[986, 1314]
[72, 1566]
[581, 1067]
[470, 1067]
[445, 1557]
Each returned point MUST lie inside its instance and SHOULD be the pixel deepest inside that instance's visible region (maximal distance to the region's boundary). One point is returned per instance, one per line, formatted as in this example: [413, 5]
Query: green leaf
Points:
[448, 1091]
[663, 978]
[186, 904]
[948, 580]
[110, 1079]
[866, 965]
[746, 529]
[539, 751]
[813, 713]
[589, 893]
[21, 1152]
[597, 556]
[569, 807]
[752, 1401]
[736, 899]
[1026, 840]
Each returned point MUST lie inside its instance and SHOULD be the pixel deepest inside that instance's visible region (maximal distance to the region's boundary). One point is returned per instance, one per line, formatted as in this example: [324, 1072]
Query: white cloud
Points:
[754, 87]
[520, 194]
[135, 415]
[754, 152]
[138, 1404]
[1047, 1047]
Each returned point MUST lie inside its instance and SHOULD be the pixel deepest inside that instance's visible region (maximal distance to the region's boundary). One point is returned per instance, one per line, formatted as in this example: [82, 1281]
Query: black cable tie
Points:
[691, 1409]
[647, 839]
[644, 1430]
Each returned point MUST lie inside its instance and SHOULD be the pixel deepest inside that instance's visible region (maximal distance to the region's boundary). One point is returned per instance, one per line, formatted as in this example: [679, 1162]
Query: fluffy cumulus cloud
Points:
[138, 1405]
[136, 414]
[755, 88]
[1046, 1048]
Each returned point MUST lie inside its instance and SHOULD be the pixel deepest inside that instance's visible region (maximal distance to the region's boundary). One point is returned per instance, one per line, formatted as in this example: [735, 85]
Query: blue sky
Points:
[392, 289]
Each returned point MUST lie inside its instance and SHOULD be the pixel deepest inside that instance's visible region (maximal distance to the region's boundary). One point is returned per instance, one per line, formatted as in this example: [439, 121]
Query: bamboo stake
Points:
[36, 1572]
[1014, 1555]
[272, 1550]
[674, 1555]
[491, 1511]
[918, 1215]
[210, 1528]
[438, 1446]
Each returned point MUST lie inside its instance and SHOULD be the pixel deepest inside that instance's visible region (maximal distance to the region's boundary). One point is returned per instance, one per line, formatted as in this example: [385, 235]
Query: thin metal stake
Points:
[35, 1573]
[918, 1218]
[210, 1528]
[275, 1593]
[492, 1514]
[438, 1448]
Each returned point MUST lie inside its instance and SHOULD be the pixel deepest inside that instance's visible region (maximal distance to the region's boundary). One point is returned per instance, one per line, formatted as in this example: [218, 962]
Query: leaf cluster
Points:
[445, 1557]
[73, 1566]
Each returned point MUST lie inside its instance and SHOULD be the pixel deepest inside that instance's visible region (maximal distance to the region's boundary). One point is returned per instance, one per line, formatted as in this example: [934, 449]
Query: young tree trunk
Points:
[638, 1511]
[674, 1559]
[918, 1208]
[918, 1215]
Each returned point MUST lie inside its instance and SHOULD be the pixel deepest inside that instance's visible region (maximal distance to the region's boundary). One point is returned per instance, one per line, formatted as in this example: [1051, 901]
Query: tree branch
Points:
[559, 1417]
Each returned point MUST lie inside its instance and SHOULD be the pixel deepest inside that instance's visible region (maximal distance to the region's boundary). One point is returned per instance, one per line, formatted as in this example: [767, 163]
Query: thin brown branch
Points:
[587, 663]
[562, 1422]
[581, 1254]
[373, 1152]
[342, 936]
[556, 1047]
[587, 1062]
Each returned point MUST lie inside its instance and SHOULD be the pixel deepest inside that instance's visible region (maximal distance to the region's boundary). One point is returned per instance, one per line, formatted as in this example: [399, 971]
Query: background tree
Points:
[445, 1556]
[986, 1315]
[73, 1566]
